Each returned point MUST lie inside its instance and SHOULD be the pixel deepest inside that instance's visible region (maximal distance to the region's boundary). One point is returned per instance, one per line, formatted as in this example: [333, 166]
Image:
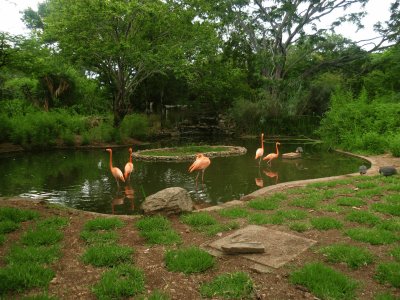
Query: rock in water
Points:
[387, 170]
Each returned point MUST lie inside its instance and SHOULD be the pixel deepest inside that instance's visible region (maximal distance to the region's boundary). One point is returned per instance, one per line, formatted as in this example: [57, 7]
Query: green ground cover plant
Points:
[350, 201]
[107, 255]
[41, 237]
[157, 230]
[324, 282]
[33, 254]
[236, 285]
[120, 282]
[99, 237]
[373, 236]
[101, 223]
[184, 150]
[7, 226]
[353, 256]
[325, 223]
[188, 260]
[388, 273]
[17, 215]
[363, 217]
[22, 276]
[234, 212]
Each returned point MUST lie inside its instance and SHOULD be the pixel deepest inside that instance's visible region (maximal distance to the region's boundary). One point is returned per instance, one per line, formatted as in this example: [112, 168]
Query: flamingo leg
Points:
[202, 176]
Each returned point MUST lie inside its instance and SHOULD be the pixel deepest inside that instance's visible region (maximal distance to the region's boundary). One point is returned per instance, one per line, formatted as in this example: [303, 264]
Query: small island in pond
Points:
[187, 153]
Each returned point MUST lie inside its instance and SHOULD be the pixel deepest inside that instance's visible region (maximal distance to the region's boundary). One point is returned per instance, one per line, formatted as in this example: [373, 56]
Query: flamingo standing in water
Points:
[201, 163]
[129, 166]
[272, 156]
[260, 151]
[116, 172]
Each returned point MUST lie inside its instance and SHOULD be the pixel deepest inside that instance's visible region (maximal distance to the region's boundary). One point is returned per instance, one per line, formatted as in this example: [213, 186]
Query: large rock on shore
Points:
[173, 200]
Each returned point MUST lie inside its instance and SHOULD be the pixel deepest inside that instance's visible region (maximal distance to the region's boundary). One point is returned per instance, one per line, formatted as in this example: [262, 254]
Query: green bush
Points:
[134, 125]
[394, 145]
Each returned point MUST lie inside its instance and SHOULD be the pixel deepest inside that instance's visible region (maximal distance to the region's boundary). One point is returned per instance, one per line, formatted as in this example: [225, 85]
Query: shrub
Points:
[394, 145]
[134, 125]
[188, 260]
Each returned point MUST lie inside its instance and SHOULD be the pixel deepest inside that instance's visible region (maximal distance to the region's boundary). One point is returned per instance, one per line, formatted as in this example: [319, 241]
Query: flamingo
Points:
[129, 166]
[272, 156]
[201, 163]
[260, 151]
[116, 172]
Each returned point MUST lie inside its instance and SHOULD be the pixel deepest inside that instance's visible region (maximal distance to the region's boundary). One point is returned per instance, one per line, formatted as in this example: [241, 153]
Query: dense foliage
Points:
[99, 70]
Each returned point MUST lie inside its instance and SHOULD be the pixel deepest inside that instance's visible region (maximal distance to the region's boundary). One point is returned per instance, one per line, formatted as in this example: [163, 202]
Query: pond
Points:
[82, 179]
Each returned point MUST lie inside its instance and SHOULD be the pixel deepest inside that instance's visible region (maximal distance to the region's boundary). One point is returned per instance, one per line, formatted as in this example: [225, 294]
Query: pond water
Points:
[81, 178]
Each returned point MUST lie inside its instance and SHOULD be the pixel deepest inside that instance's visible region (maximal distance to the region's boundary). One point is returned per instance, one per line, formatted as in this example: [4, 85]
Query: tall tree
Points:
[125, 42]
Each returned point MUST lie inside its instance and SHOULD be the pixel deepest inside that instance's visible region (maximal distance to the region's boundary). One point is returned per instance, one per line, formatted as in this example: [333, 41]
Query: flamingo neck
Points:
[262, 142]
[277, 151]
[130, 156]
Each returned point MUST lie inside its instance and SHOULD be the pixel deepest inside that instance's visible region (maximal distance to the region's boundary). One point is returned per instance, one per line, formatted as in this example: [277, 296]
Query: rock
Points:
[291, 155]
[243, 247]
[173, 200]
[387, 170]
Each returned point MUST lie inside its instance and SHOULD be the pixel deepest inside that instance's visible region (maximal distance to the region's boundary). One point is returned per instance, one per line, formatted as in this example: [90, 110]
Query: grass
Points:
[350, 201]
[324, 282]
[107, 255]
[18, 277]
[387, 208]
[326, 223]
[234, 212]
[17, 215]
[309, 201]
[53, 222]
[7, 226]
[33, 254]
[389, 273]
[267, 203]
[188, 260]
[292, 214]
[373, 236]
[262, 218]
[206, 223]
[99, 237]
[120, 282]
[183, 151]
[299, 226]
[236, 285]
[363, 217]
[354, 257]
[41, 237]
[157, 230]
[395, 252]
[103, 224]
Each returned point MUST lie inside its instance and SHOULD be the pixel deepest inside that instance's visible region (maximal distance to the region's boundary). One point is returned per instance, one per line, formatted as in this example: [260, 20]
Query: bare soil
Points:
[74, 279]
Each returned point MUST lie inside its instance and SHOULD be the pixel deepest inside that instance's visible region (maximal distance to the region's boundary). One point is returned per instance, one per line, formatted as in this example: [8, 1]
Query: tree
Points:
[125, 42]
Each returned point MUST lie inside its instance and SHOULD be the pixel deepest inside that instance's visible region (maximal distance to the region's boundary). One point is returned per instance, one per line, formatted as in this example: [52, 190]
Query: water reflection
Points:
[82, 179]
[125, 197]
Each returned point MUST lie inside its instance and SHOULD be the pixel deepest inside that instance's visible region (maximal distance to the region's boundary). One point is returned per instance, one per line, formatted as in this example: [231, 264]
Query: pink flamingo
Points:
[260, 151]
[201, 163]
[116, 172]
[272, 156]
[129, 166]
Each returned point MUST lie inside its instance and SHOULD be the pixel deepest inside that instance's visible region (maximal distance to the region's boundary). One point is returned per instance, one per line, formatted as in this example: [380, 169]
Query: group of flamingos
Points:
[200, 164]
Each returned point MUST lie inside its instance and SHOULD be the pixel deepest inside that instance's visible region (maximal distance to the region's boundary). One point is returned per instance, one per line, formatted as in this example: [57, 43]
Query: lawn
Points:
[50, 252]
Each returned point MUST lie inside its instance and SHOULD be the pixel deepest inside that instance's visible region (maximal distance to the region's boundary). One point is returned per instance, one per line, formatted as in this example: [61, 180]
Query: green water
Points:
[82, 179]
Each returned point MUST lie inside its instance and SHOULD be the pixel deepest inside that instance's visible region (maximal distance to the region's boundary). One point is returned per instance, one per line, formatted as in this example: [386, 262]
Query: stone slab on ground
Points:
[280, 247]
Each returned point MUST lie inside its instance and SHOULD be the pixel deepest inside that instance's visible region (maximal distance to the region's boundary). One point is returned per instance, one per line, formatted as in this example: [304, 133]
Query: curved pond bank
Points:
[376, 162]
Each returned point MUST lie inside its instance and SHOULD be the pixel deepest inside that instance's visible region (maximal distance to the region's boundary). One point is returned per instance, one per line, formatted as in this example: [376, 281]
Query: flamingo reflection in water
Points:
[259, 182]
[120, 199]
[272, 174]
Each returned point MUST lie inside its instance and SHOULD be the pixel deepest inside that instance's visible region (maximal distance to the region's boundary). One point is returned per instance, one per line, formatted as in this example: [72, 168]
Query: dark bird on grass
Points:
[387, 170]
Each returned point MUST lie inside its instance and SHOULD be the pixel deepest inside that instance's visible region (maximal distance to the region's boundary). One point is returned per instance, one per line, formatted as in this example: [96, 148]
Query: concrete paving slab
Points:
[280, 247]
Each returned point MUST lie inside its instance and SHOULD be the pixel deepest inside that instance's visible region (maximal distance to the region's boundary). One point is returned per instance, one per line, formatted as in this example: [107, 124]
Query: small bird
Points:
[272, 156]
[129, 166]
[201, 163]
[299, 150]
[363, 170]
[260, 151]
[116, 172]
